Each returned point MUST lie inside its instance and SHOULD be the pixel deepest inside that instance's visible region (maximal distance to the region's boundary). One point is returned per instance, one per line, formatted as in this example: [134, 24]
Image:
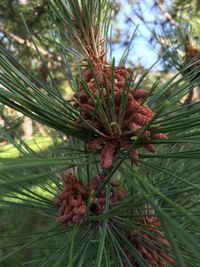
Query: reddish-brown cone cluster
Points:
[73, 200]
[151, 244]
[193, 54]
[116, 195]
[121, 120]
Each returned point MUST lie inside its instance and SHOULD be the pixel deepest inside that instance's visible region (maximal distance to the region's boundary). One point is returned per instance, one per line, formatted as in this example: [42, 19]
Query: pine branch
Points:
[114, 211]
[49, 55]
[165, 12]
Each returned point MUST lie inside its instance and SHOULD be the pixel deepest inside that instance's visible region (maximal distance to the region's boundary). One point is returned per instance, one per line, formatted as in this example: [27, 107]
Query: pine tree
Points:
[123, 188]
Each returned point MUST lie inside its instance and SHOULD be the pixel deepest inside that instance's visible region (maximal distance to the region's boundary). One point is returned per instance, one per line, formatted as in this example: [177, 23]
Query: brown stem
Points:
[165, 13]
[188, 100]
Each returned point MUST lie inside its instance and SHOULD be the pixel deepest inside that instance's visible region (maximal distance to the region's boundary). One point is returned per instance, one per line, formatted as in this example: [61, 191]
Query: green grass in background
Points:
[36, 144]
[18, 221]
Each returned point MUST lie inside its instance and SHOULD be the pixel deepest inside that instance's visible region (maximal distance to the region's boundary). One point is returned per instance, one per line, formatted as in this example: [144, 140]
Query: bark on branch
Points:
[166, 14]
[29, 44]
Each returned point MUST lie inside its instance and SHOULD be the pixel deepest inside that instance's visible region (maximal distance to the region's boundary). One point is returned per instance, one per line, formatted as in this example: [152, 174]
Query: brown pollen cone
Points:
[193, 54]
[117, 194]
[151, 244]
[72, 201]
[126, 114]
[74, 198]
